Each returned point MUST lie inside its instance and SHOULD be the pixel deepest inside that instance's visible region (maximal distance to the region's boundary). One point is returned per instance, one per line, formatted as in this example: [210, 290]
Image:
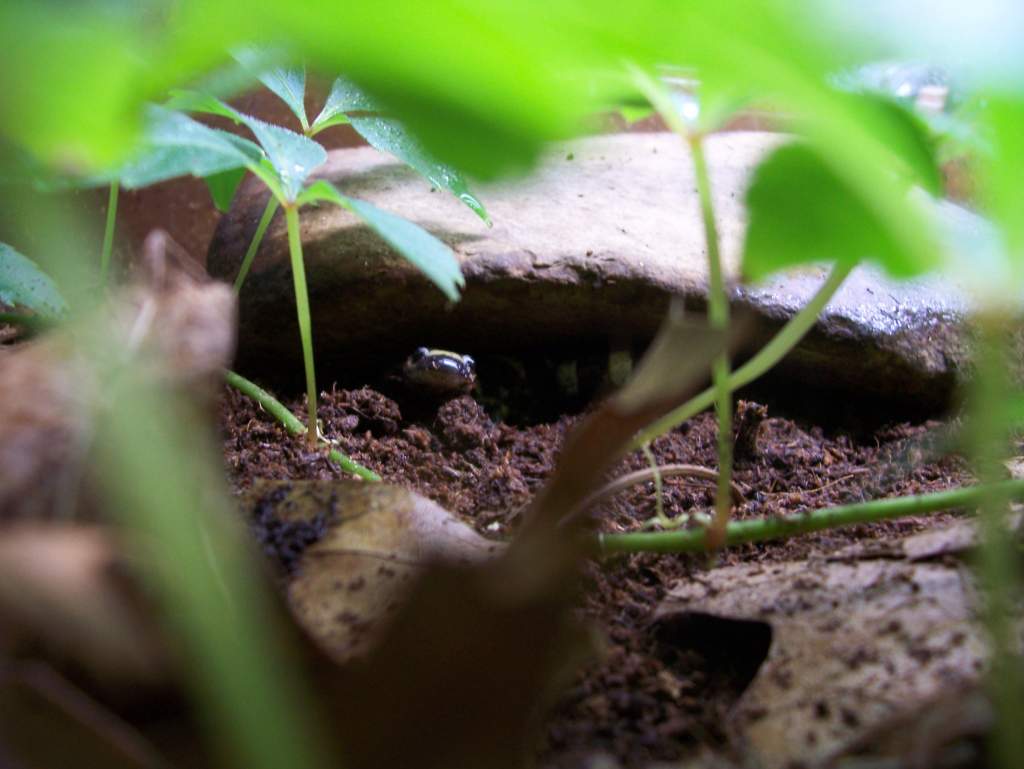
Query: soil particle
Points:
[643, 700]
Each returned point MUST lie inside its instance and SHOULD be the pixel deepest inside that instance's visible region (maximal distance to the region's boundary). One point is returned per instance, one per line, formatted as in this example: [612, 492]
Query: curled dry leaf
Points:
[375, 538]
[853, 644]
[172, 318]
[65, 590]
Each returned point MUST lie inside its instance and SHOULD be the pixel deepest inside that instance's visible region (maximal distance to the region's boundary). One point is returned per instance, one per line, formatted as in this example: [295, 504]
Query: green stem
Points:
[108, 233]
[305, 324]
[762, 529]
[999, 566]
[292, 423]
[784, 341]
[257, 239]
[718, 319]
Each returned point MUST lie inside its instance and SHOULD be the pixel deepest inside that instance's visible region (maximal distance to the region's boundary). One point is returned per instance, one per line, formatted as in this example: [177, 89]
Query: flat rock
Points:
[583, 253]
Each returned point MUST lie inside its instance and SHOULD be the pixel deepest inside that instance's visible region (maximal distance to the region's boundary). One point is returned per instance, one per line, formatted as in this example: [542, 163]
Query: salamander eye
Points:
[469, 364]
[420, 354]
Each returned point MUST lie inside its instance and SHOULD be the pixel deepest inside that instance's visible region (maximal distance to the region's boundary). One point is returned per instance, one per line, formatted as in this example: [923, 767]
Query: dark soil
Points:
[646, 699]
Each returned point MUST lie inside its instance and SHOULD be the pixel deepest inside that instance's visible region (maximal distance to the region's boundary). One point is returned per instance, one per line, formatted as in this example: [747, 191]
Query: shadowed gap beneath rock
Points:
[733, 649]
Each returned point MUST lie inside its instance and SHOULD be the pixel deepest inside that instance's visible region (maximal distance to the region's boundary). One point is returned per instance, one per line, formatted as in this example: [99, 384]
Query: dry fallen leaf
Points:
[853, 644]
[377, 538]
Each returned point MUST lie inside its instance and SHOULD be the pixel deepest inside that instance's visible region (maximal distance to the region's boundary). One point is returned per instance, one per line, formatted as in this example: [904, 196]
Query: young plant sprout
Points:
[284, 160]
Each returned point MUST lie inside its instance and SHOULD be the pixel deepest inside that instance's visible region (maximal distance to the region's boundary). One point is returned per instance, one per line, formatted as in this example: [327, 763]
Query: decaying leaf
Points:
[853, 644]
[952, 730]
[376, 538]
[64, 591]
[176, 321]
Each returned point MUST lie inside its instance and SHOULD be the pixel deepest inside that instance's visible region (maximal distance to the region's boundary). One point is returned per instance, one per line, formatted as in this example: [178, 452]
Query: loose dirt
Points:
[647, 698]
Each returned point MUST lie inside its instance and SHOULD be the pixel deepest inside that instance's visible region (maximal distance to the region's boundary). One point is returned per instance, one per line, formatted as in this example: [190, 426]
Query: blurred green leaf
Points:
[223, 187]
[802, 212]
[176, 145]
[432, 257]
[194, 101]
[909, 141]
[290, 157]
[635, 113]
[1005, 170]
[23, 284]
[162, 478]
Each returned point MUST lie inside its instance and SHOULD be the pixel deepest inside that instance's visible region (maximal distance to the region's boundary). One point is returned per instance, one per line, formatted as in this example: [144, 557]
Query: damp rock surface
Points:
[583, 253]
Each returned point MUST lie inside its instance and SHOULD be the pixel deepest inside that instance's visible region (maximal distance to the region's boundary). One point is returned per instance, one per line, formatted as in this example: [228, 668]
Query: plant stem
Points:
[108, 233]
[305, 324]
[762, 529]
[292, 423]
[999, 565]
[718, 319]
[784, 341]
[257, 239]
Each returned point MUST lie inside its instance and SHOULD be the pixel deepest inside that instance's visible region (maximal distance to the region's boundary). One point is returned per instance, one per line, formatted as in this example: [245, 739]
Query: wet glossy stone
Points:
[586, 250]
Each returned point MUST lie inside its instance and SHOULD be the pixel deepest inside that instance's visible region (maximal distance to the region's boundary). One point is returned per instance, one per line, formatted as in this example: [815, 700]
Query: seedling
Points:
[283, 160]
[839, 194]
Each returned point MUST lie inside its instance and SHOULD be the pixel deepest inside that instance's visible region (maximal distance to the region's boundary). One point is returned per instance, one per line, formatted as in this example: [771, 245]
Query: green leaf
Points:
[293, 156]
[802, 212]
[432, 257]
[176, 145]
[194, 101]
[342, 98]
[322, 125]
[908, 138]
[345, 96]
[634, 113]
[288, 84]
[23, 284]
[1005, 168]
[388, 135]
[223, 187]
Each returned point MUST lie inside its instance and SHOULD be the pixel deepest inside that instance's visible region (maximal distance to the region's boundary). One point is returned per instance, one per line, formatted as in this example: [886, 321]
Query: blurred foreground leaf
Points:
[176, 145]
[288, 84]
[801, 212]
[23, 284]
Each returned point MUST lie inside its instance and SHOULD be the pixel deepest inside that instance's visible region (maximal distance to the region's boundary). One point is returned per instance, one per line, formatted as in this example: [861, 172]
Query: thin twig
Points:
[646, 474]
